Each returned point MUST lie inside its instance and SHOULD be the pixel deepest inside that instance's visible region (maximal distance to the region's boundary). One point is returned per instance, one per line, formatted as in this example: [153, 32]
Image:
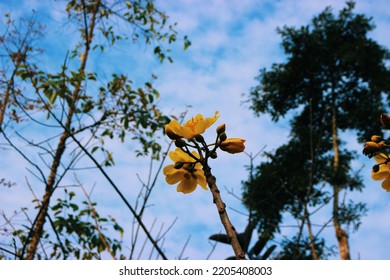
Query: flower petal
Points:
[174, 126]
[168, 169]
[201, 179]
[382, 173]
[174, 177]
[380, 158]
[179, 155]
[176, 155]
[187, 185]
[211, 120]
[386, 184]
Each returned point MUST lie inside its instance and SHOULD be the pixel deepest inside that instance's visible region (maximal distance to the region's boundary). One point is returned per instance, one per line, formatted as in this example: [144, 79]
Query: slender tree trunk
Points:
[306, 214]
[8, 89]
[341, 234]
[5, 100]
[37, 229]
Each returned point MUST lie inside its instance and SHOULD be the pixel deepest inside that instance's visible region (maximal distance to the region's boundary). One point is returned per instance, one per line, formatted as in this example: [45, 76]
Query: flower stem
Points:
[229, 228]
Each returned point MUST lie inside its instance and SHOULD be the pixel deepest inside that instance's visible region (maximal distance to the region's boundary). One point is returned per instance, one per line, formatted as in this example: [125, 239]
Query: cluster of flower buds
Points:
[187, 165]
[375, 146]
[230, 145]
[385, 120]
[197, 125]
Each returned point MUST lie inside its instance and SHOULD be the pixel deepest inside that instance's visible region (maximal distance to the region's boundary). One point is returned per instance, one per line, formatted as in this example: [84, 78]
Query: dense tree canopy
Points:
[333, 80]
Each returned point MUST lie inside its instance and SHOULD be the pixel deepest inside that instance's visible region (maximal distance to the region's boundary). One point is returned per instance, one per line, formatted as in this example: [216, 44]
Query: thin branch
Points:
[143, 246]
[184, 247]
[97, 227]
[224, 217]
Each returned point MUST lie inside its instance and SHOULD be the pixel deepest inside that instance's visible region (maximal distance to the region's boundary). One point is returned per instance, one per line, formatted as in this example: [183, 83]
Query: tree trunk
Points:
[37, 228]
[341, 234]
[36, 231]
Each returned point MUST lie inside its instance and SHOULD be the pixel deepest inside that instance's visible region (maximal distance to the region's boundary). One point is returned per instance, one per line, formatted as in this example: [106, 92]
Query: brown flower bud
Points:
[221, 128]
[385, 120]
[180, 143]
[213, 154]
[371, 147]
[199, 138]
[178, 165]
[222, 136]
[376, 138]
[233, 145]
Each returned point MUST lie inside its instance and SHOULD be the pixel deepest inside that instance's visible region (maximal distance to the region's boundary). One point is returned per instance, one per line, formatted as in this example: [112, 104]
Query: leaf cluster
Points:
[83, 233]
[333, 62]
[334, 79]
[77, 112]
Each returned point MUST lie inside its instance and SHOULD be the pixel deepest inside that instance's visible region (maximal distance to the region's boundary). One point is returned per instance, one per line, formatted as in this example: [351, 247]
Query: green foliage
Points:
[145, 21]
[283, 183]
[18, 44]
[80, 111]
[83, 233]
[333, 62]
[334, 80]
[302, 251]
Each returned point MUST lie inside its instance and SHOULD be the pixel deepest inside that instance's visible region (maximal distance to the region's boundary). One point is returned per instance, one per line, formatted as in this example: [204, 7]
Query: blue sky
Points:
[231, 41]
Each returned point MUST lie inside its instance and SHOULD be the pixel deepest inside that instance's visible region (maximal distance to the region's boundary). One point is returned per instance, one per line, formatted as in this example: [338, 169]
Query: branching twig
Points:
[97, 226]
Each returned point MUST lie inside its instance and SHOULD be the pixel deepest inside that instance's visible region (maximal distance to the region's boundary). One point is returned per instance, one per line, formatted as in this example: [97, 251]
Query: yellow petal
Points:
[382, 174]
[174, 126]
[200, 127]
[176, 155]
[169, 169]
[187, 132]
[194, 126]
[179, 155]
[201, 179]
[380, 158]
[187, 185]
[173, 178]
[386, 184]
[212, 120]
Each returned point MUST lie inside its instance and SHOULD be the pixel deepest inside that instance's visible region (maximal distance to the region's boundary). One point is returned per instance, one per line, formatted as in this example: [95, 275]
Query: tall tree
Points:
[78, 110]
[333, 80]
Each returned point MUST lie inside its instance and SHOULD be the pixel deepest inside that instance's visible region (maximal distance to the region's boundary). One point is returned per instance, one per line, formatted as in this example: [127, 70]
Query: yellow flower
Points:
[190, 174]
[195, 126]
[233, 145]
[384, 171]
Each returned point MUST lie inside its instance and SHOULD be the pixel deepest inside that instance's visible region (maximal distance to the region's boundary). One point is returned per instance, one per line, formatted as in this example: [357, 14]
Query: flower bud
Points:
[376, 138]
[222, 136]
[221, 128]
[213, 154]
[233, 145]
[180, 143]
[178, 165]
[371, 147]
[170, 133]
[385, 120]
[199, 138]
